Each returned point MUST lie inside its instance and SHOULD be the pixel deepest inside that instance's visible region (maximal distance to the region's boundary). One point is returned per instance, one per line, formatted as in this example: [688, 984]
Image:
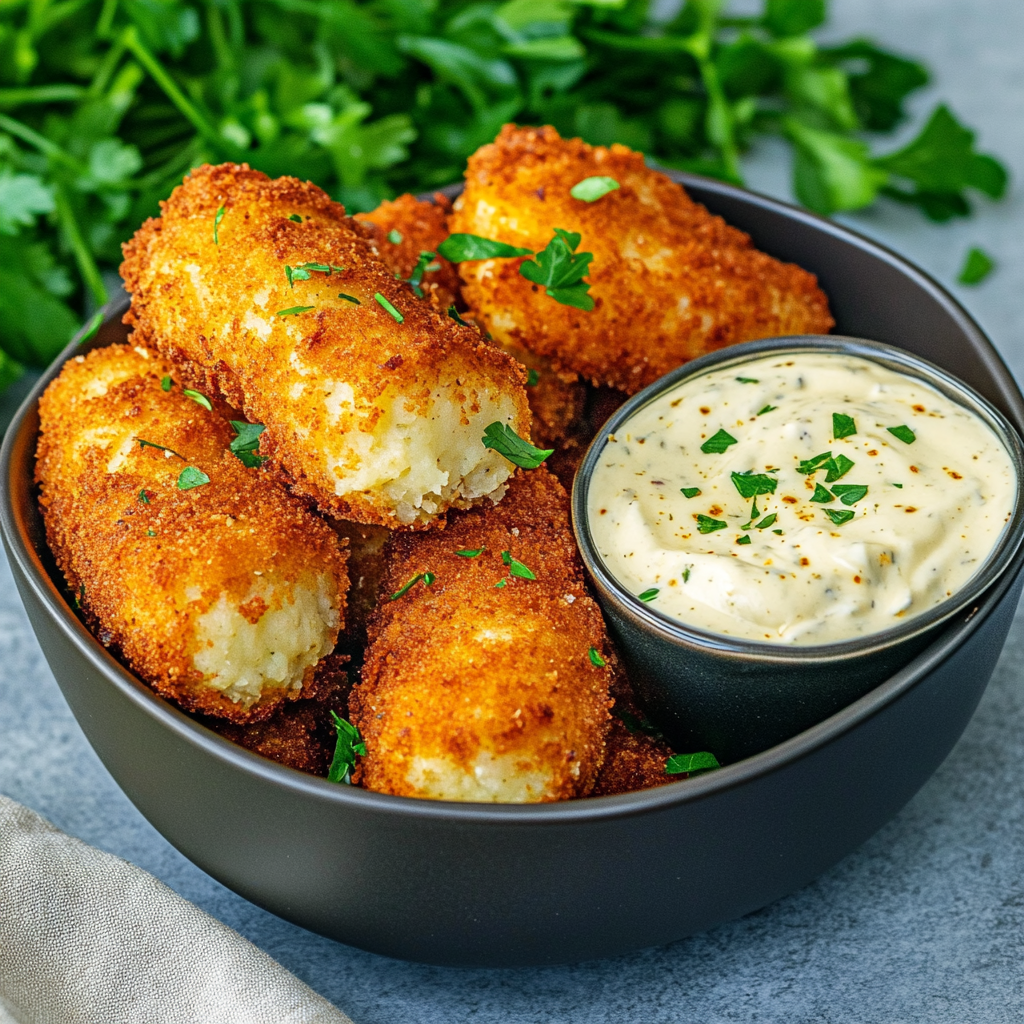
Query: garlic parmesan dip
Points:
[799, 498]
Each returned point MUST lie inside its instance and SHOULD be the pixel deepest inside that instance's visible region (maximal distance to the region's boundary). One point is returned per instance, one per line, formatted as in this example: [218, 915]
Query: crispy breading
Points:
[480, 686]
[376, 420]
[222, 596]
[669, 280]
[421, 226]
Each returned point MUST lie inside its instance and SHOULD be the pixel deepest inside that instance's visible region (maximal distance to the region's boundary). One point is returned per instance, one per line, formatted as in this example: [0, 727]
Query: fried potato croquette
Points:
[374, 403]
[480, 686]
[669, 280]
[405, 228]
[218, 589]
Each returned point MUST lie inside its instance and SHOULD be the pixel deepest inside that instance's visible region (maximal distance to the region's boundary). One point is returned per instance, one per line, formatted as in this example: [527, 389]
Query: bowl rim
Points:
[685, 635]
[27, 561]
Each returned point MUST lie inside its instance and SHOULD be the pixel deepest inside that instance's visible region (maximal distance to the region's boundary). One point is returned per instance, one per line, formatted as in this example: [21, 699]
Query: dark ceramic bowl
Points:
[736, 697]
[506, 885]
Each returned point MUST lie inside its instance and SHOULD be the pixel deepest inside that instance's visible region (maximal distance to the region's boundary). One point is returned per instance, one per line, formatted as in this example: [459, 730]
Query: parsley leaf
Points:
[198, 397]
[745, 539]
[384, 304]
[191, 477]
[748, 380]
[471, 553]
[766, 522]
[454, 314]
[515, 567]
[348, 746]
[596, 659]
[718, 443]
[689, 492]
[977, 266]
[812, 465]
[143, 497]
[560, 269]
[246, 443]
[904, 433]
[649, 595]
[837, 467]
[752, 484]
[295, 217]
[459, 248]
[843, 425]
[505, 441]
[822, 494]
[839, 515]
[850, 494]
[532, 377]
[705, 524]
[767, 408]
[593, 188]
[165, 383]
[395, 237]
[677, 764]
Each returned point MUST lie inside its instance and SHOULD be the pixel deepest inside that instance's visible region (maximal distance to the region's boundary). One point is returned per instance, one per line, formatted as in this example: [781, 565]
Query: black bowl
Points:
[737, 697]
[505, 885]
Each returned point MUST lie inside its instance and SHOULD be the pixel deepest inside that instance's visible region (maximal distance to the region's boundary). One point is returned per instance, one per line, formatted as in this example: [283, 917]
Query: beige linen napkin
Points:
[87, 938]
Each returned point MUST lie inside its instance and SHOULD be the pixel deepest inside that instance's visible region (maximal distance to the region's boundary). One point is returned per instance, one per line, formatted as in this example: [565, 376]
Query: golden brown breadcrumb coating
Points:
[222, 596]
[421, 226]
[376, 420]
[669, 280]
[480, 686]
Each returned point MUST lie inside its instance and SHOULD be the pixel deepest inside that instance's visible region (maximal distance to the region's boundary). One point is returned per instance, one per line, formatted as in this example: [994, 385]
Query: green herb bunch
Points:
[106, 104]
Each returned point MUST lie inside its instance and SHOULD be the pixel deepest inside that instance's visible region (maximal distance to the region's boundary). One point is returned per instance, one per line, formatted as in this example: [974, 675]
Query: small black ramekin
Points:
[737, 697]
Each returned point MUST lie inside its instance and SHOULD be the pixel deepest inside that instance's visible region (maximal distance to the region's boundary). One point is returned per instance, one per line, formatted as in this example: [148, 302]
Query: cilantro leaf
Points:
[191, 477]
[592, 189]
[560, 269]
[977, 266]
[718, 443]
[459, 248]
[505, 441]
[677, 764]
[349, 745]
[23, 197]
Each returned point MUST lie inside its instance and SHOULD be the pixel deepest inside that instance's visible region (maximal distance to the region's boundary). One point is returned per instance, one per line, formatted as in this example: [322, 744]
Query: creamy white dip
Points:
[901, 522]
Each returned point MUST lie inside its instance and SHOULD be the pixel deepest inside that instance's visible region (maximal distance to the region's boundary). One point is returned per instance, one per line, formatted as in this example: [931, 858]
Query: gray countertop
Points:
[924, 923]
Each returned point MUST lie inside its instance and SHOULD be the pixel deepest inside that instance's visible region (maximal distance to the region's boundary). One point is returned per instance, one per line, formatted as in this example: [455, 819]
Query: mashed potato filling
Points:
[424, 452]
[293, 629]
[492, 778]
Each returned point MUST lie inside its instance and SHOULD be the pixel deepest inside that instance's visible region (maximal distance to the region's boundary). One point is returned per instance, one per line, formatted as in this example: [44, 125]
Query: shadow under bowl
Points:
[736, 697]
[500, 886]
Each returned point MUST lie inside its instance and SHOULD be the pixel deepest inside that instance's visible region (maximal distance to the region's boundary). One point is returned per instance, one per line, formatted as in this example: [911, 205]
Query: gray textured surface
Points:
[924, 923]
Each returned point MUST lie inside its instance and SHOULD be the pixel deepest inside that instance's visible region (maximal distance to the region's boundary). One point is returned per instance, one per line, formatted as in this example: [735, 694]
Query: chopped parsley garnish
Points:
[596, 659]
[904, 433]
[839, 515]
[216, 226]
[689, 492]
[151, 533]
[900, 486]
[752, 484]
[837, 467]
[745, 539]
[384, 304]
[767, 408]
[766, 522]
[423, 264]
[143, 497]
[349, 298]
[650, 594]
[718, 443]
[505, 441]
[843, 425]
[461, 247]
[395, 237]
[294, 275]
[247, 442]
[471, 553]
[501, 583]
[454, 314]
[677, 764]
[591, 189]
[822, 495]
[295, 217]
[349, 744]
[163, 448]
[165, 383]
[705, 524]
[532, 378]
[748, 380]
[686, 573]
[850, 494]
[779, 532]
[412, 583]
[808, 466]
[294, 310]
[561, 269]
[191, 477]
[199, 398]
[515, 567]
[977, 266]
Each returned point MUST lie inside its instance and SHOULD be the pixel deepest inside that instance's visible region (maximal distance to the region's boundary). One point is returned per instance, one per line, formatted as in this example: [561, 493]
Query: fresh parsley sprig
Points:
[560, 269]
[505, 441]
[348, 746]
